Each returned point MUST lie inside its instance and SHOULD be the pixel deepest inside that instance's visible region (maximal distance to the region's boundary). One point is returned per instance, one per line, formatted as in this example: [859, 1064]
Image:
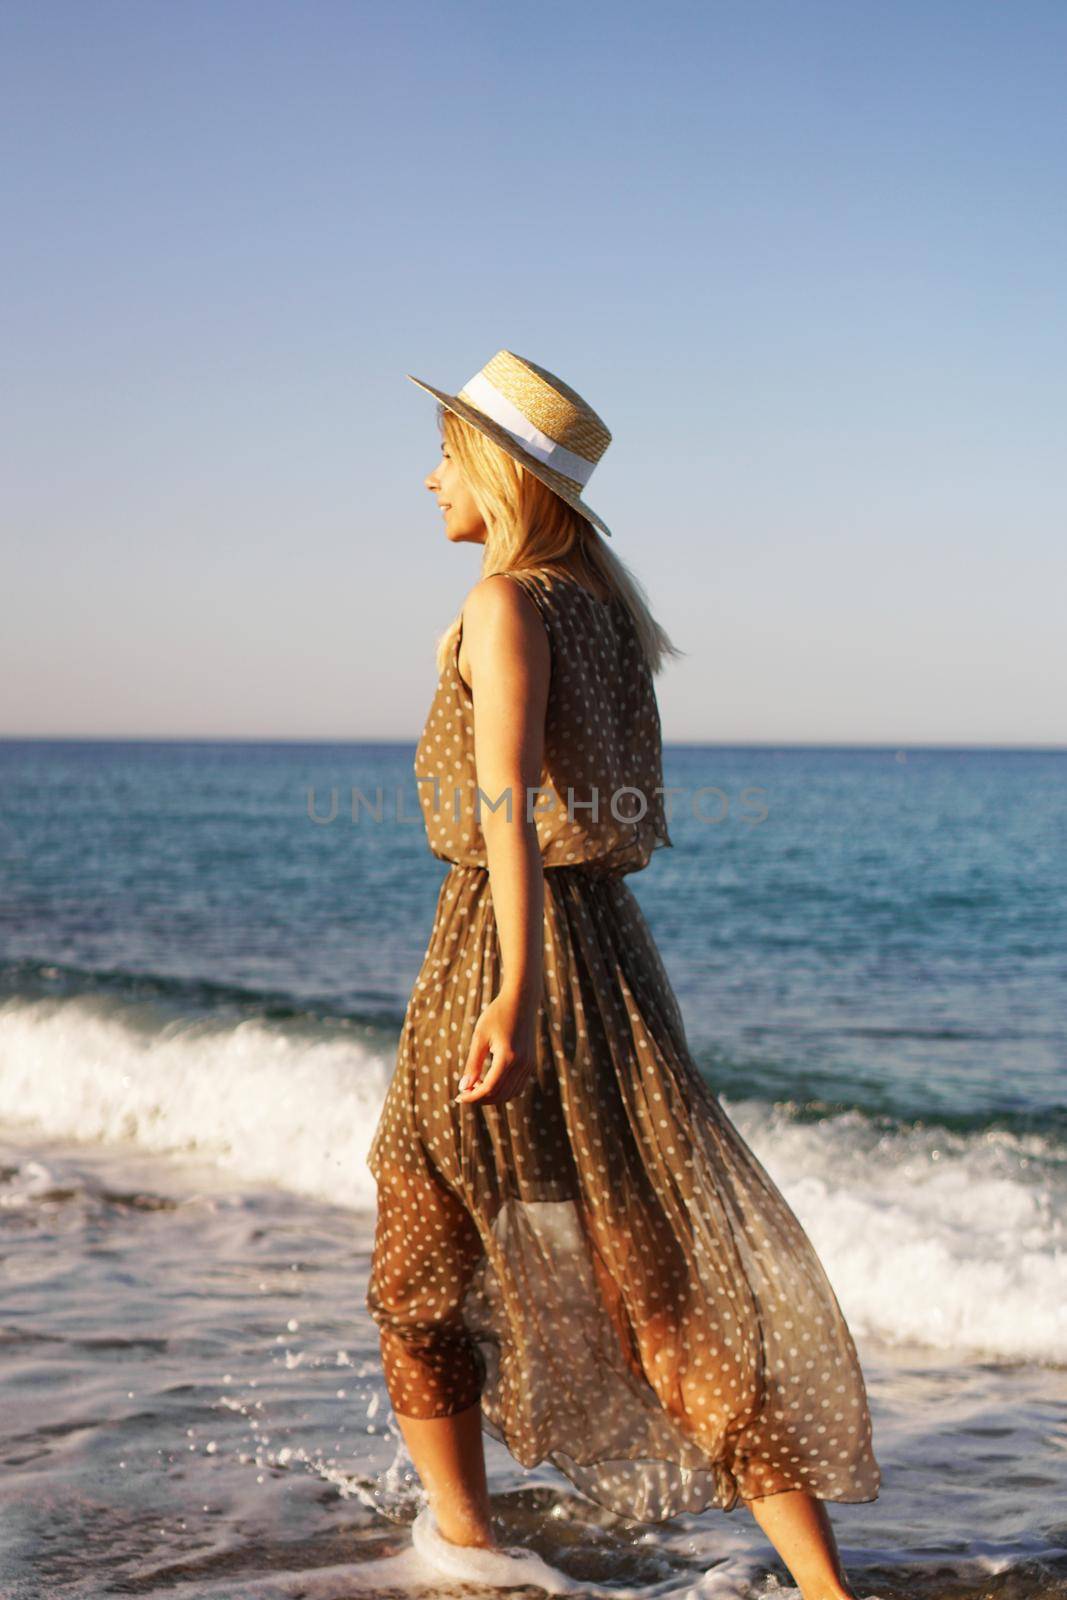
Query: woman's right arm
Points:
[509, 659]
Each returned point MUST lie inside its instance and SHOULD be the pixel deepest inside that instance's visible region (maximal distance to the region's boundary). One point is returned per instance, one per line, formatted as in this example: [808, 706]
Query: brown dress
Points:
[601, 1260]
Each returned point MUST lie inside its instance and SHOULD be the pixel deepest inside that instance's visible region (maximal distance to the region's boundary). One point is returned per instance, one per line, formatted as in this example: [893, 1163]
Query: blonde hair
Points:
[529, 527]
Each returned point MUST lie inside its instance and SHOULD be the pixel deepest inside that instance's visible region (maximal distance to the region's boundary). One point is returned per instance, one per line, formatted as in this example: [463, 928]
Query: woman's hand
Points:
[507, 1028]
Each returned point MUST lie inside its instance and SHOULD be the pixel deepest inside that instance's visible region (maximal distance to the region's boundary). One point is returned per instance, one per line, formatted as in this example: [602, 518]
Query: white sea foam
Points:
[953, 1241]
[504, 1568]
[258, 1101]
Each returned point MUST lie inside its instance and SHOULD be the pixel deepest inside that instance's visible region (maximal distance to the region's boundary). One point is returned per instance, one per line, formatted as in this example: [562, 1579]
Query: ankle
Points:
[465, 1529]
[469, 1538]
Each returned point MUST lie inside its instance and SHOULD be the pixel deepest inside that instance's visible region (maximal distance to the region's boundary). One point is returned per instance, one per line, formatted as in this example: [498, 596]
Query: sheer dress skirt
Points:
[601, 1261]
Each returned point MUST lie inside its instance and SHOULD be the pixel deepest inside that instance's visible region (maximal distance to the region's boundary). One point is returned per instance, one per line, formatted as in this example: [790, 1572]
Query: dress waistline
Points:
[578, 871]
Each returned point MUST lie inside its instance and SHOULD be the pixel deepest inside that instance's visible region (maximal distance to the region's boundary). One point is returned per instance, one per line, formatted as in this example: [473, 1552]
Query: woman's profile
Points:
[575, 1250]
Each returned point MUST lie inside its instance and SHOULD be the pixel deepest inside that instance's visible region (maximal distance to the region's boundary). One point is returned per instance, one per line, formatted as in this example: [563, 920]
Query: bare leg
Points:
[449, 1458]
[798, 1526]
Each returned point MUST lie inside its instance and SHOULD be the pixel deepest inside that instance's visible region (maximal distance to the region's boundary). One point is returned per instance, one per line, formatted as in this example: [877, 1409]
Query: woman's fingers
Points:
[505, 1079]
[477, 1091]
[479, 1050]
[503, 1088]
[512, 1083]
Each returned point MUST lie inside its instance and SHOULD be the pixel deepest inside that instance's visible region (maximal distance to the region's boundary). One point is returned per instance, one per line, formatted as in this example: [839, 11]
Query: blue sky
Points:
[806, 260]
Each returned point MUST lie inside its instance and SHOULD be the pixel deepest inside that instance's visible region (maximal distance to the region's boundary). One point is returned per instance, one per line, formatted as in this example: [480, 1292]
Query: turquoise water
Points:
[881, 929]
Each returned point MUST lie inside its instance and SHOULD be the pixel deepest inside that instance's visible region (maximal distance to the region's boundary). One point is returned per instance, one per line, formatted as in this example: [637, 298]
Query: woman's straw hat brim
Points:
[507, 442]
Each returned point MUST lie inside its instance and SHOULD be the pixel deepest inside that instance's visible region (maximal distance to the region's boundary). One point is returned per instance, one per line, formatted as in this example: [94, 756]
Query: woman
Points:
[575, 1250]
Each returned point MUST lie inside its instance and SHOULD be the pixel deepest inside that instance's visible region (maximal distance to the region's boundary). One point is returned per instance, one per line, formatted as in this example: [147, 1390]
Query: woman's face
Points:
[462, 519]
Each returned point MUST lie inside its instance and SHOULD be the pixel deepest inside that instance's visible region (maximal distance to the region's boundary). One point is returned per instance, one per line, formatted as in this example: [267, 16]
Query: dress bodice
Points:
[603, 807]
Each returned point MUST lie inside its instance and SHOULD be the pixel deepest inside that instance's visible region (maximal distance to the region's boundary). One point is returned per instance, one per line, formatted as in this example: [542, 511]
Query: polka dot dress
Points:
[601, 1261]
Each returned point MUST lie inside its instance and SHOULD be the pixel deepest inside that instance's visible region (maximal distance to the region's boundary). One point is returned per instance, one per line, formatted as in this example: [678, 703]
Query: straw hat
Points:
[537, 419]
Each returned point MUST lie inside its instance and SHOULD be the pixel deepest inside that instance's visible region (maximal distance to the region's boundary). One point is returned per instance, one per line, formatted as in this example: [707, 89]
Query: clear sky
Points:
[807, 260]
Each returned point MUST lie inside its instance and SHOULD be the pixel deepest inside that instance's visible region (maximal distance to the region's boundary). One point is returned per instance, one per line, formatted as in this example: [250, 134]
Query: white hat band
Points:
[501, 410]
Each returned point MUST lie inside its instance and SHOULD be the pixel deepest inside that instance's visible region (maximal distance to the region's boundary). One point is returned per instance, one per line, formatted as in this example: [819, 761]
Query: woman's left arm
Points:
[510, 664]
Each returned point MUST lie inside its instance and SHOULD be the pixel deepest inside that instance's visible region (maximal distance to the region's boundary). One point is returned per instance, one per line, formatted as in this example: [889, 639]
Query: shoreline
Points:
[188, 1368]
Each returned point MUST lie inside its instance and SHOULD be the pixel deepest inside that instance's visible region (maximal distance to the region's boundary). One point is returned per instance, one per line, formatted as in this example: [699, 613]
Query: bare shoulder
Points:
[502, 629]
[497, 605]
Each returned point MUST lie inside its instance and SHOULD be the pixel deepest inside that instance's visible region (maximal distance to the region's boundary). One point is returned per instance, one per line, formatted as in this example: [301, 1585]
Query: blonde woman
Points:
[575, 1250]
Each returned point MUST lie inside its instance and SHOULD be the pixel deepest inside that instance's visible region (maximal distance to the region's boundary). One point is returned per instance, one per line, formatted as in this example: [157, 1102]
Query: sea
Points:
[206, 950]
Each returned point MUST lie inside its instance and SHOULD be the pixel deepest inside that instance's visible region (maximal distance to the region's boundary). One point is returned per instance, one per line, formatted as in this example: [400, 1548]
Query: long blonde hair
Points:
[528, 526]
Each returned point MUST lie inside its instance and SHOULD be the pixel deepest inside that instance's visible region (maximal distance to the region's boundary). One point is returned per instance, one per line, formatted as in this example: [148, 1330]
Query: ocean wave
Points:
[930, 1235]
[34, 980]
